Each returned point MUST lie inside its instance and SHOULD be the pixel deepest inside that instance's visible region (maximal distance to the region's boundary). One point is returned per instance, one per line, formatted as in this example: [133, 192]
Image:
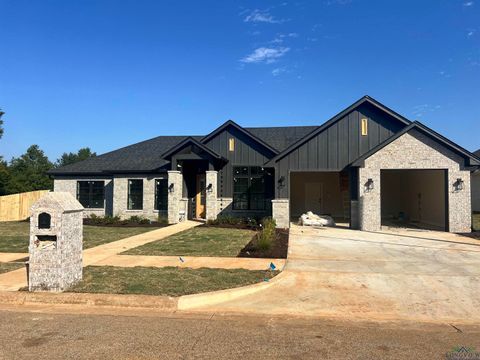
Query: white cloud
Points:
[258, 16]
[265, 55]
[468, 3]
[278, 71]
[421, 110]
[471, 33]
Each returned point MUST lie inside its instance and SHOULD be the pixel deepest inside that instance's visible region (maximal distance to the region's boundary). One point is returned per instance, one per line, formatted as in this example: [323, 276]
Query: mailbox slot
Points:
[44, 241]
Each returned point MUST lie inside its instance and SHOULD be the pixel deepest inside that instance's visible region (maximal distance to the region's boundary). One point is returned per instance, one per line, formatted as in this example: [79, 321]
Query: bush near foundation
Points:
[267, 234]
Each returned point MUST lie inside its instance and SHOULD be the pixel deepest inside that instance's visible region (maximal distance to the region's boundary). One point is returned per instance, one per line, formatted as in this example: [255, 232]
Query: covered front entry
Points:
[194, 187]
[323, 193]
[414, 198]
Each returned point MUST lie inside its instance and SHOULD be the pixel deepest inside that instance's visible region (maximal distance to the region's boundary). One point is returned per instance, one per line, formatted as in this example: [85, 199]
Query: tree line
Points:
[28, 172]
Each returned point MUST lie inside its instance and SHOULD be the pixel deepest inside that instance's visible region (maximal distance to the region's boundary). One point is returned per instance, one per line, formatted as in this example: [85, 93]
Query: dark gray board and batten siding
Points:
[337, 146]
[247, 152]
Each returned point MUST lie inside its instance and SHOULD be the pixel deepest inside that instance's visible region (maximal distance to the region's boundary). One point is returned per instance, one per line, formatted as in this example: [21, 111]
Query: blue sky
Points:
[105, 74]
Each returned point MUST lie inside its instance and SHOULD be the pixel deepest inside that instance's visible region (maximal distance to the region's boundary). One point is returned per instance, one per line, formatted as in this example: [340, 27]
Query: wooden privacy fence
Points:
[17, 206]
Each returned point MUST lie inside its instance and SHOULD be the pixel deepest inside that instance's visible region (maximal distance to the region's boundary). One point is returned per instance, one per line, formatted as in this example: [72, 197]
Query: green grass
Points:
[476, 222]
[168, 281]
[14, 235]
[6, 267]
[200, 241]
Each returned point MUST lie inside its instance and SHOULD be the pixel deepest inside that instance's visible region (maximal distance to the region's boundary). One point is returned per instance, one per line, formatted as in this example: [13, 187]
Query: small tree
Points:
[1, 123]
[4, 177]
[71, 158]
[29, 172]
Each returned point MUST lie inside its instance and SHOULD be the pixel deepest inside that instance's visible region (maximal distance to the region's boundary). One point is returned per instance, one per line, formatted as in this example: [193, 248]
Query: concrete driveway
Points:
[409, 275]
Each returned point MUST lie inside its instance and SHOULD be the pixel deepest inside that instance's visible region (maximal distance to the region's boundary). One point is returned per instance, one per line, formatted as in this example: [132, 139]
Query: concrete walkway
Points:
[193, 262]
[14, 280]
[7, 257]
[408, 275]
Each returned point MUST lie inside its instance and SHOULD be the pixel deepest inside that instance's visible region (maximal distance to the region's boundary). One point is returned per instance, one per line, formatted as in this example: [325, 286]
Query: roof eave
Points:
[241, 129]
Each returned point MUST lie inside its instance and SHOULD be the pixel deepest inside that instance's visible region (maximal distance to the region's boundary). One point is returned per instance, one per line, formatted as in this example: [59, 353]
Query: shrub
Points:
[267, 235]
[135, 219]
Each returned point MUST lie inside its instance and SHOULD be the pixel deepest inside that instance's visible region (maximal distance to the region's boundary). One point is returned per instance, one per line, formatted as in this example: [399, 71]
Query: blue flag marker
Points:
[272, 266]
[181, 259]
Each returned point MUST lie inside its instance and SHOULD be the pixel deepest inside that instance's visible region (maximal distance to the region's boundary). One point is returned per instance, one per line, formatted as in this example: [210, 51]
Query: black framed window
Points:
[135, 194]
[91, 194]
[249, 187]
[161, 194]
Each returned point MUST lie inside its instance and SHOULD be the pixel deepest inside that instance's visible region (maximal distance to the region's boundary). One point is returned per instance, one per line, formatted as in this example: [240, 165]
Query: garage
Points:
[323, 193]
[414, 199]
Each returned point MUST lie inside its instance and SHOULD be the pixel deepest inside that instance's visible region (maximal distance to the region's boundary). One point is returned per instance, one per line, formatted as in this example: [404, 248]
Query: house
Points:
[476, 187]
[367, 166]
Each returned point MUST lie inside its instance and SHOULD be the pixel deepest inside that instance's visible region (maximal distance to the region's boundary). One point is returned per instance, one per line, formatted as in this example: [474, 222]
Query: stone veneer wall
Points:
[175, 201]
[211, 196]
[58, 265]
[69, 184]
[414, 150]
[281, 212]
[120, 196]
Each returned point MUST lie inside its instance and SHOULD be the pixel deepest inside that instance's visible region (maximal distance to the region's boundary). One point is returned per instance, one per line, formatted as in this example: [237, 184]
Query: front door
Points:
[200, 197]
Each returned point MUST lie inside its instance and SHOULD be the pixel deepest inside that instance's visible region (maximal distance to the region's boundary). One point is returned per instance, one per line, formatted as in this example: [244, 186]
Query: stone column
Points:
[174, 196]
[211, 195]
[281, 212]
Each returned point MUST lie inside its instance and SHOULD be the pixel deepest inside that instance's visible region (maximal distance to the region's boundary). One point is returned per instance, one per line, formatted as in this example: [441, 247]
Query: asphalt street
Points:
[45, 332]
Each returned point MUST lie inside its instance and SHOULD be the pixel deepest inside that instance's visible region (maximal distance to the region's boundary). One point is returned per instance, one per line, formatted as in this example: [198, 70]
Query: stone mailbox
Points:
[56, 242]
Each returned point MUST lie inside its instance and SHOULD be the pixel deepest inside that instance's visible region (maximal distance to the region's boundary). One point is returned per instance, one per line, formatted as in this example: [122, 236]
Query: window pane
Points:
[257, 201]
[97, 194]
[135, 194]
[161, 194]
[240, 170]
[91, 194]
[240, 185]
[83, 193]
[240, 201]
[257, 185]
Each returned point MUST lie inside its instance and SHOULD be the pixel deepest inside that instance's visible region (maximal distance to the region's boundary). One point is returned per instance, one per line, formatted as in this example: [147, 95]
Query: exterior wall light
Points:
[369, 186]
[281, 181]
[171, 187]
[210, 188]
[458, 185]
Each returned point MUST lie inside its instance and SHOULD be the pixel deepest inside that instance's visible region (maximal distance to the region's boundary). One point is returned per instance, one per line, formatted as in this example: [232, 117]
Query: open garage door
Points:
[323, 193]
[414, 198]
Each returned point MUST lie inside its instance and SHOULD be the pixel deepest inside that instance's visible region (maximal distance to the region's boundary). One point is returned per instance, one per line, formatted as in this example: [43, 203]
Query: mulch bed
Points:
[278, 250]
[152, 224]
[473, 234]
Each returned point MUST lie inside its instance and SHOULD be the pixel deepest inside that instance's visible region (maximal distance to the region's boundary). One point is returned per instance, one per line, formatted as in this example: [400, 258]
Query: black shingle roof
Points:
[146, 156]
[142, 156]
[477, 153]
[281, 137]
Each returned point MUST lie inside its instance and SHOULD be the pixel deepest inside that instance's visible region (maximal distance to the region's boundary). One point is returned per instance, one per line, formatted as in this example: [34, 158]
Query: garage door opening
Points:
[414, 199]
[323, 193]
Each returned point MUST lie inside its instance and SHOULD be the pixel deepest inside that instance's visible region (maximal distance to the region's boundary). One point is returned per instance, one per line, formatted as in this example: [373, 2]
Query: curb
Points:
[189, 302]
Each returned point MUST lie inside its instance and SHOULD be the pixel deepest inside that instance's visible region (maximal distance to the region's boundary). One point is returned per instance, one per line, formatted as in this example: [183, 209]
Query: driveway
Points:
[409, 275]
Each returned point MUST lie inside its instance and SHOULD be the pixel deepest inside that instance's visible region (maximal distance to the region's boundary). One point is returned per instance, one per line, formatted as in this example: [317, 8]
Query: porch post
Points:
[211, 195]
[174, 196]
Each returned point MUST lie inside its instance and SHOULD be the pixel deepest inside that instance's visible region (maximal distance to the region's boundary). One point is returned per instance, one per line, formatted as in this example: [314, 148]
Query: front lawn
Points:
[199, 241]
[14, 235]
[7, 267]
[168, 281]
